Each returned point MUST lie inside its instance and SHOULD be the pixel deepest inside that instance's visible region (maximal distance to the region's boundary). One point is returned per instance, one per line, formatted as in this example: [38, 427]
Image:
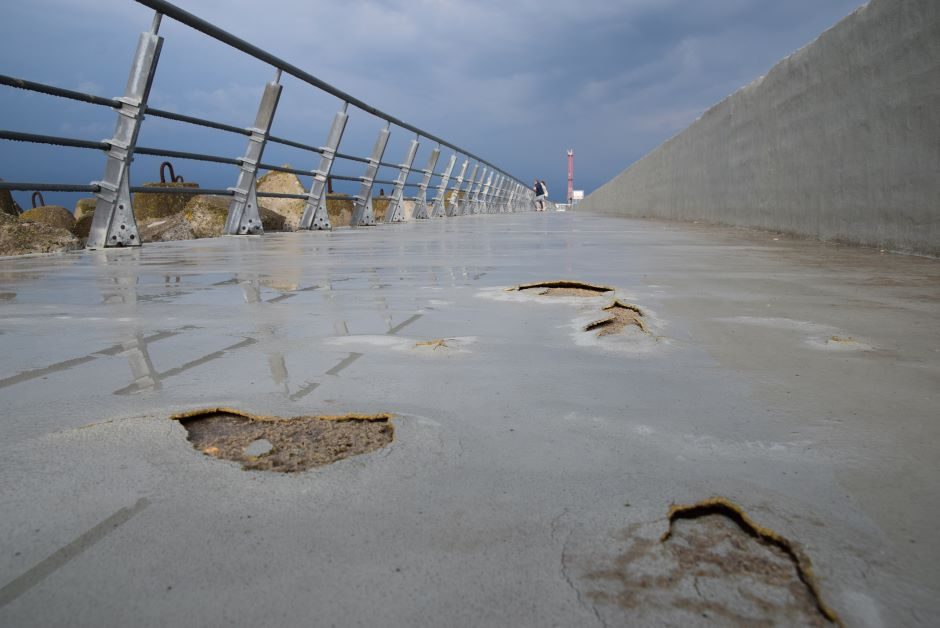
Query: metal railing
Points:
[487, 189]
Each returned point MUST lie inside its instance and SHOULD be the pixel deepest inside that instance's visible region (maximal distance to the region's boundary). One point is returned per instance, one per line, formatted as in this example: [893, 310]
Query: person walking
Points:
[544, 195]
[539, 195]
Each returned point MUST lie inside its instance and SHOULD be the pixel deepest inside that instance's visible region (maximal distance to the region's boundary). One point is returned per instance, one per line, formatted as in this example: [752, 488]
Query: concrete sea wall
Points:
[840, 141]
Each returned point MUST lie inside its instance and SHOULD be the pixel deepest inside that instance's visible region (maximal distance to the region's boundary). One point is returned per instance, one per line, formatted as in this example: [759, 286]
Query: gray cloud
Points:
[517, 82]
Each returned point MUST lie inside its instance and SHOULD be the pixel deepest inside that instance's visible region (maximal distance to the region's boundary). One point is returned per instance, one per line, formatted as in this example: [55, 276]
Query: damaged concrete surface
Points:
[708, 569]
[291, 445]
[21, 237]
[565, 288]
[524, 462]
[620, 316]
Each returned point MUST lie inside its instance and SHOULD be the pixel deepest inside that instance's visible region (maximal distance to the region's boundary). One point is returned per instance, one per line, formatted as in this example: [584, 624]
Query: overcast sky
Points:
[515, 81]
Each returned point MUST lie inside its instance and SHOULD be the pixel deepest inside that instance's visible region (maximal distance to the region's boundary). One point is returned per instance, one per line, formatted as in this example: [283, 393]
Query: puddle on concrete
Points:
[713, 563]
[284, 445]
[565, 289]
[620, 316]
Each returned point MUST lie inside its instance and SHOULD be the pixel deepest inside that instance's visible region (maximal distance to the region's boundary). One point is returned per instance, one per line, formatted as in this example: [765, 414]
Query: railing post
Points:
[315, 215]
[451, 204]
[437, 206]
[475, 200]
[421, 200]
[363, 215]
[484, 193]
[509, 200]
[501, 195]
[114, 223]
[492, 201]
[244, 216]
[464, 204]
[394, 213]
[510, 193]
[510, 185]
[497, 204]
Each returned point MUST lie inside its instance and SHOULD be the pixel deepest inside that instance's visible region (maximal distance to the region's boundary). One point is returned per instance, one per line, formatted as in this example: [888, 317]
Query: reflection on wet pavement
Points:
[133, 345]
[156, 378]
[127, 283]
[397, 328]
[352, 357]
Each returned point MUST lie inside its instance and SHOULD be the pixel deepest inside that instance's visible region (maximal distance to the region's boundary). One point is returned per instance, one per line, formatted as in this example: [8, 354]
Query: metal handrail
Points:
[115, 224]
[36, 138]
[17, 186]
[207, 28]
[115, 103]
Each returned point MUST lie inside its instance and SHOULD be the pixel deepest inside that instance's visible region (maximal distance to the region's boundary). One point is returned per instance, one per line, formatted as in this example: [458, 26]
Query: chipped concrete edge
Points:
[561, 283]
[193, 414]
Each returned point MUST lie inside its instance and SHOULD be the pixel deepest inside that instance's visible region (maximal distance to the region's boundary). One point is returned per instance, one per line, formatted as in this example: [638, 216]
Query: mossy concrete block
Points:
[291, 209]
[273, 221]
[84, 206]
[150, 206]
[380, 207]
[21, 238]
[169, 229]
[7, 206]
[340, 209]
[83, 225]
[203, 216]
[52, 215]
[206, 215]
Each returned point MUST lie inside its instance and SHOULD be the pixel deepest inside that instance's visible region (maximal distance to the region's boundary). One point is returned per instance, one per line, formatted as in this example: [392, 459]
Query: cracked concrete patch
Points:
[713, 565]
[284, 445]
[621, 316]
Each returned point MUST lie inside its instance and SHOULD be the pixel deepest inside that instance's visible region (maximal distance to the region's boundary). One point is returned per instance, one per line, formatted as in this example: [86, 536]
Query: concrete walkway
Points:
[799, 380]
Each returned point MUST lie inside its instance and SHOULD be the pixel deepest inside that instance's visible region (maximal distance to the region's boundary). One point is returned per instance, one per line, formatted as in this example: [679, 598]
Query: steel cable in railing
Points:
[207, 28]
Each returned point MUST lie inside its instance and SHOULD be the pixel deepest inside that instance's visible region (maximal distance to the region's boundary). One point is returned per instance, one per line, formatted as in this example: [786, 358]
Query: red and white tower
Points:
[570, 175]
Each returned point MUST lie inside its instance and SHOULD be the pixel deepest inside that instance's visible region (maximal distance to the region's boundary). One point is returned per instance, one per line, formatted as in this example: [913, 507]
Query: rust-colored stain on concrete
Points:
[713, 562]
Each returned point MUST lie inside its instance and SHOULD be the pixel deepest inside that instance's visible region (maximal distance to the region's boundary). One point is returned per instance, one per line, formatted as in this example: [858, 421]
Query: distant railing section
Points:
[486, 189]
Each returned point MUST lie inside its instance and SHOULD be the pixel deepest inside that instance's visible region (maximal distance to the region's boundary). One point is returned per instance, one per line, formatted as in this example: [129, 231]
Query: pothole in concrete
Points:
[621, 316]
[565, 289]
[284, 445]
[714, 562]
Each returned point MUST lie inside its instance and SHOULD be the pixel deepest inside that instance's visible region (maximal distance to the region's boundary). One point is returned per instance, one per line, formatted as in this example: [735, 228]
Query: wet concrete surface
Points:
[798, 379]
